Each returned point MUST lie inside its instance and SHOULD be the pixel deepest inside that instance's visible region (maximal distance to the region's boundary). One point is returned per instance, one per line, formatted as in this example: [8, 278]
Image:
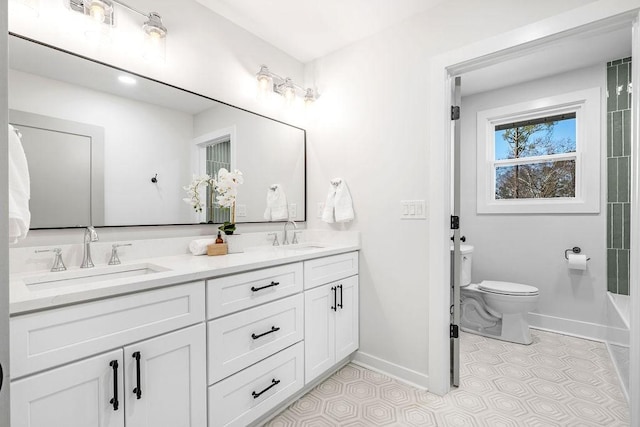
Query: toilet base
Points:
[512, 327]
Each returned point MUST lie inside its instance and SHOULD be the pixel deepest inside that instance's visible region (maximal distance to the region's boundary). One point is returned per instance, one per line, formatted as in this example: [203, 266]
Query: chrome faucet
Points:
[285, 240]
[90, 235]
[58, 264]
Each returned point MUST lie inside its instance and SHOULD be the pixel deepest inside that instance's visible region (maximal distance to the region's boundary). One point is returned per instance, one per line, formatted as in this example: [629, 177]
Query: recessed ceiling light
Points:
[128, 80]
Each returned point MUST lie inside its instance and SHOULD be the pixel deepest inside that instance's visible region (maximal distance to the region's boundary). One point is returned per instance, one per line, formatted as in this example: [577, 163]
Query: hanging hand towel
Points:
[338, 206]
[329, 205]
[343, 202]
[19, 189]
[277, 208]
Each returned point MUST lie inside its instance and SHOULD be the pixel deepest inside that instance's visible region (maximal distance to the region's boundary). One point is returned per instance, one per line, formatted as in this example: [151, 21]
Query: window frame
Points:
[586, 104]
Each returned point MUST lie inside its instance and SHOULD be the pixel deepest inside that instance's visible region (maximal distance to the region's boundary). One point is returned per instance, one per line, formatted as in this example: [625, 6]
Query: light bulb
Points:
[99, 10]
[96, 11]
[309, 97]
[289, 91]
[155, 37]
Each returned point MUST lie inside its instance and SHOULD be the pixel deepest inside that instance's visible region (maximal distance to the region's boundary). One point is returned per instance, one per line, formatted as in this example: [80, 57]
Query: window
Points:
[541, 156]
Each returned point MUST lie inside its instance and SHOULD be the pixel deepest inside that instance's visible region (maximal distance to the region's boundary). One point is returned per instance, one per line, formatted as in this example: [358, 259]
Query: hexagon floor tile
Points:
[556, 381]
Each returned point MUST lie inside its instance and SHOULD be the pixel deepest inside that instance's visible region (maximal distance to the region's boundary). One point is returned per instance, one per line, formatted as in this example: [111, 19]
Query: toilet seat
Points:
[507, 288]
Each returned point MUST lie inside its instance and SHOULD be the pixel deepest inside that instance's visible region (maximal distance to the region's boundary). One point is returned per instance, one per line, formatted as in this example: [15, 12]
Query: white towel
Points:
[339, 205]
[199, 246]
[277, 208]
[19, 189]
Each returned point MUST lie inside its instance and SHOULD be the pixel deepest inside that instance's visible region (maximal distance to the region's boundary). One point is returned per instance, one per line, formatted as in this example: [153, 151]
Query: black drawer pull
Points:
[341, 297]
[137, 390]
[274, 382]
[335, 298]
[254, 289]
[273, 329]
[114, 400]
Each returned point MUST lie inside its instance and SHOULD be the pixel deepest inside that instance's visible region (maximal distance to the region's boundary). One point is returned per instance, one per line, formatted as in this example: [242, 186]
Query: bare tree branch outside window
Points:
[542, 178]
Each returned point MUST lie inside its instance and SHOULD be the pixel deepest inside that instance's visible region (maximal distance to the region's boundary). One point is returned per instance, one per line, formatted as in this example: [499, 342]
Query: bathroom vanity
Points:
[190, 341]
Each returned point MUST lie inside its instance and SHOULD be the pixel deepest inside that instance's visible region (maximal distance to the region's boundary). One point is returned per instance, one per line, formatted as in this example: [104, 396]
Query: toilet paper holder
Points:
[575, 250]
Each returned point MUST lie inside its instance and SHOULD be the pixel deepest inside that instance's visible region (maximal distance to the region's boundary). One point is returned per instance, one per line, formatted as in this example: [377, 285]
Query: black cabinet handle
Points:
[341, 298]
[335, 296]
[114, 400]
[273, 329]
[137, 390]
[1, 376]
[254, 289]
[274, 382]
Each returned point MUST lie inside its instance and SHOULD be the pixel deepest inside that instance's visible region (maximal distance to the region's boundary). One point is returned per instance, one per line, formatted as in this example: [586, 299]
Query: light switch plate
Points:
[241, 211]
[412, 209]
[319, 209]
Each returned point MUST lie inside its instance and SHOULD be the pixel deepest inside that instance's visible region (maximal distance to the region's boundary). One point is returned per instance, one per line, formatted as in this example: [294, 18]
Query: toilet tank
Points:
[466, 255]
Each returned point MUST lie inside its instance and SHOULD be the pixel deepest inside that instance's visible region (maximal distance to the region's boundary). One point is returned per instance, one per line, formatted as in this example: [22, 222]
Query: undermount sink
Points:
[91, 275]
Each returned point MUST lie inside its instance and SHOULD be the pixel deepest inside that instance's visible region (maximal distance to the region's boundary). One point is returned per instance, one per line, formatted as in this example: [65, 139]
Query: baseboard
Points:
[577, 328]
[400, 373]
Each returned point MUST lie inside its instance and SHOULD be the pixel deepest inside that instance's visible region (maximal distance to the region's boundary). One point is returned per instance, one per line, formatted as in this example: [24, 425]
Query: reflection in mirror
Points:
[149, 129]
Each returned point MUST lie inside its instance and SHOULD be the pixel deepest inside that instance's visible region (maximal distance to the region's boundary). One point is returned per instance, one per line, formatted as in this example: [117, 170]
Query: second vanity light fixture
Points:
[269, 81]
[103, 11]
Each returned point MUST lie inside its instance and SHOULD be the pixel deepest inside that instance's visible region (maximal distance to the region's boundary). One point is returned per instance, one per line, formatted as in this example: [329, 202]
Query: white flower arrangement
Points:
[225, 184]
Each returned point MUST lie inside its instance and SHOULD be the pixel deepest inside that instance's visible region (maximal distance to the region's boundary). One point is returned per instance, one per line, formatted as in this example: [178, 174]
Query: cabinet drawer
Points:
[249, 394]
[328, 269]
[239, 340]
[54, 337]
[233, 293]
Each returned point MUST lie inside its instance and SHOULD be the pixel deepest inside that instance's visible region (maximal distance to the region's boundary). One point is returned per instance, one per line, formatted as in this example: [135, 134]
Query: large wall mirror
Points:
[95, 136]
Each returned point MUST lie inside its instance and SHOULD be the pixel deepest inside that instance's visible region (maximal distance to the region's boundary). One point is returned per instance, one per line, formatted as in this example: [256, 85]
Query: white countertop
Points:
[180, 269]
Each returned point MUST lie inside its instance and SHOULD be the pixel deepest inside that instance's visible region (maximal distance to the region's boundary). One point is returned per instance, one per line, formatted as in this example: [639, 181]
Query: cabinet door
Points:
[171, 390]
[346, 327]
[319, 340]
[76, 395]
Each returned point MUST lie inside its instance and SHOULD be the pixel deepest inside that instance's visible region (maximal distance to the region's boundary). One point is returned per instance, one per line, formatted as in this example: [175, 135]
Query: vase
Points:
[235, 242]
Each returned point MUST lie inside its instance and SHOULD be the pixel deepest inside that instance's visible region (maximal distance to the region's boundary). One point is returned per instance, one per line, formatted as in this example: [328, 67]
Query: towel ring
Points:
[576, 250]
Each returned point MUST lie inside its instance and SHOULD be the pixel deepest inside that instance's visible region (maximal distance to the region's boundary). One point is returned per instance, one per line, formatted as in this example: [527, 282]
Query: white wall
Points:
[266, 152]
[205, 54]
[141, 140]
[371, 128]
[530, 248]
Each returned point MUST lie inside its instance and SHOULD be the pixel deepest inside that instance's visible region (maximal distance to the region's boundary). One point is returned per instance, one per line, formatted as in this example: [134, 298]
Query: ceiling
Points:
[309, 29]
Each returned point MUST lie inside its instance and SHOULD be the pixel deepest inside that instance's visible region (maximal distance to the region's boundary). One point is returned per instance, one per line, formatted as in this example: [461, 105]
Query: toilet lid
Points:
[507, 288]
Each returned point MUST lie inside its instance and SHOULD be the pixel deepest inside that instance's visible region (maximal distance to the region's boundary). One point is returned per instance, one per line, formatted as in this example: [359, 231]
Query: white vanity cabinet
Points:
[75, 395]
[331, 312]
[150, 372]
[256, 353]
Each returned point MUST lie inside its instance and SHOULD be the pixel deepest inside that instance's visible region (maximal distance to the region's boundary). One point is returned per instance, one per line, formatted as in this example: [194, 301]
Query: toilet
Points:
[494, 309]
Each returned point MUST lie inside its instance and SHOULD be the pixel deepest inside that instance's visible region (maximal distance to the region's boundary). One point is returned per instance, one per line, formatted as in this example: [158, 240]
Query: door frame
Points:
[4, 225]
[597, 15]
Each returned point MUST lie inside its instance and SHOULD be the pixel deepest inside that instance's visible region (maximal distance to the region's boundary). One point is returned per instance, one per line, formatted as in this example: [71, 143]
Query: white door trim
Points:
[599, 14]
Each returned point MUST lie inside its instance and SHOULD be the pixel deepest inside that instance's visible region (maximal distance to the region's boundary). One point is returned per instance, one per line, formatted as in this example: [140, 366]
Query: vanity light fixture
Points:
[284, 86]
[103, 11]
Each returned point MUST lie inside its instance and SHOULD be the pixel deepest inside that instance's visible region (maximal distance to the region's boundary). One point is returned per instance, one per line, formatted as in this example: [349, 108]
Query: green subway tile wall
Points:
[618, 177]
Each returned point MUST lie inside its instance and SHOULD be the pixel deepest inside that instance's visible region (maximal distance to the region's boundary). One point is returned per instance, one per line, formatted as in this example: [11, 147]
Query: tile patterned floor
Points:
[556, 381]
